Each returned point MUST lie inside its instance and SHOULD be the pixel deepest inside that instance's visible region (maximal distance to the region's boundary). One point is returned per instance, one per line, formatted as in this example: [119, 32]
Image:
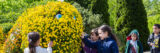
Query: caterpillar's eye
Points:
[75, 17]
[58, 16]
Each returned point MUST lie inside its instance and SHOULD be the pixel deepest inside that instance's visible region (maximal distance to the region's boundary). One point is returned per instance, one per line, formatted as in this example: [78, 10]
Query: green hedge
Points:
[131, 15]
[11, 9]
[153, 20]
[101, 7]
[90, 20]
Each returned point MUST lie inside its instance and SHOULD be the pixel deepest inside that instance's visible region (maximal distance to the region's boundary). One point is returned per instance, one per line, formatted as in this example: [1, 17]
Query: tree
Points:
[153, 12]
[101, 7]
[90, 20]
[131, 15]
[84, 3]
[96, 6]
[11, 9]
[112, 12]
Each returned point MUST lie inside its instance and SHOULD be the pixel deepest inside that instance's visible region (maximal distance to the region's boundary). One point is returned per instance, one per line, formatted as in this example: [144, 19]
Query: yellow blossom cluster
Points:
[1, 34]
[1, 39]
[64, 31]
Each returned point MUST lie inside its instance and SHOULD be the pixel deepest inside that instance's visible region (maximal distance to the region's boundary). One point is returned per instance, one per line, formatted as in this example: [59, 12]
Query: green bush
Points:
[6, 27]
[153, 20]
[90, 20]
[96, 6]
[131, 14]
[88, 4]
[153, 12]
[11, 9]
[112, 12]
[101, 7]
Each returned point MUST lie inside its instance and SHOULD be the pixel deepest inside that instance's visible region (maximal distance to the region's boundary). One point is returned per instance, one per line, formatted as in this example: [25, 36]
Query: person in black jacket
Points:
[154, 39]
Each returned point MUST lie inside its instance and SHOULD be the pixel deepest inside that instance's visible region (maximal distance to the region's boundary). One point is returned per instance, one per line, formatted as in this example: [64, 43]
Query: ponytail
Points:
[33, 37]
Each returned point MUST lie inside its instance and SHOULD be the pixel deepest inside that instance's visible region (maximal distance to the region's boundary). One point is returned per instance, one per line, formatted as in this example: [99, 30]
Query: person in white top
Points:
[34, 41]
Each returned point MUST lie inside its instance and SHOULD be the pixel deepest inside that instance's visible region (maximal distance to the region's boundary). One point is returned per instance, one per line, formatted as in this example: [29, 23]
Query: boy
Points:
[153, 40]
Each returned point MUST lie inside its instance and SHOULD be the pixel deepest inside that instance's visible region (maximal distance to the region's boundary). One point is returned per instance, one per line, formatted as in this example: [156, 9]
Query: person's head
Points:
[105, 31]
[94, 34]
[134, 35]
[156, 28]
[34, 40]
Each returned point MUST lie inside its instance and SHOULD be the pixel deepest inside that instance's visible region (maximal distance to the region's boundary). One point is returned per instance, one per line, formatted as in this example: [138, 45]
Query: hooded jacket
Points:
[128, 45]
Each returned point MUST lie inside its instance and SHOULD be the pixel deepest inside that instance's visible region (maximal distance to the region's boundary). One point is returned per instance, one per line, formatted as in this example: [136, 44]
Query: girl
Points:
[153, 40]
[133, 44]
[94, 37]
[34, 41]
[107, 42]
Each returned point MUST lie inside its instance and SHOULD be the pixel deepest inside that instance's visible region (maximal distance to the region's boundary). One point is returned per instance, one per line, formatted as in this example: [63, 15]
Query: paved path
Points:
[147, 52]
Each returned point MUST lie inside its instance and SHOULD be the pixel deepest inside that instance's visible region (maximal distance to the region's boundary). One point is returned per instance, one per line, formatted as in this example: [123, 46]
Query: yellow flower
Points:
[65, 31]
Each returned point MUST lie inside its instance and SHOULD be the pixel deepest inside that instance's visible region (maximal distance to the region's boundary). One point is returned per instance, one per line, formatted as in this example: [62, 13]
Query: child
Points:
[133, 44]
[153, 40]
[34, 40]
[107, 42]
[94, 37]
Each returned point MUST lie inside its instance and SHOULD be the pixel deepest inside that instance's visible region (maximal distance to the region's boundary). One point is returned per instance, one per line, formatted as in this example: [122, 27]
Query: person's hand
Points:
[151, 44]
[83, 34]
[83, 45]
[50, 44]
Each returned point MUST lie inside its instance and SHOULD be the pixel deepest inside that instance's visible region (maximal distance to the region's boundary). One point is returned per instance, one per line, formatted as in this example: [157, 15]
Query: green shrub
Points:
[112, 12]
[101, 7]
[11, 9]
[6, 27]
[131, 15]
[97, 7]
[153, 20]
[90, 20]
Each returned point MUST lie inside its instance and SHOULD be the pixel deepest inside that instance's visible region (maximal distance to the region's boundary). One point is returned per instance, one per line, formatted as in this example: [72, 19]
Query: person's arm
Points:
[114, 47]
[90, 43]
[140, 47]
[150, 39]
[48, 50]
[44, 50]
[159, 42]
[127, 47]
[86, 49]
[26, 50]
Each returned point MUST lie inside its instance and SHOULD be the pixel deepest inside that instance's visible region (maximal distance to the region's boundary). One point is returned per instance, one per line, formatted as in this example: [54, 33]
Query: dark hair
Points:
[157, 25]
[95, 31]
[33, 37]
[106, 28]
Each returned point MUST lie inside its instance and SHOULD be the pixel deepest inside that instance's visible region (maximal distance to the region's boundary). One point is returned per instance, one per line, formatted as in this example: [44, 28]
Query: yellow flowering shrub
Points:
[1, 35]
[13, 43]
[65, 30]
[1, 39]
